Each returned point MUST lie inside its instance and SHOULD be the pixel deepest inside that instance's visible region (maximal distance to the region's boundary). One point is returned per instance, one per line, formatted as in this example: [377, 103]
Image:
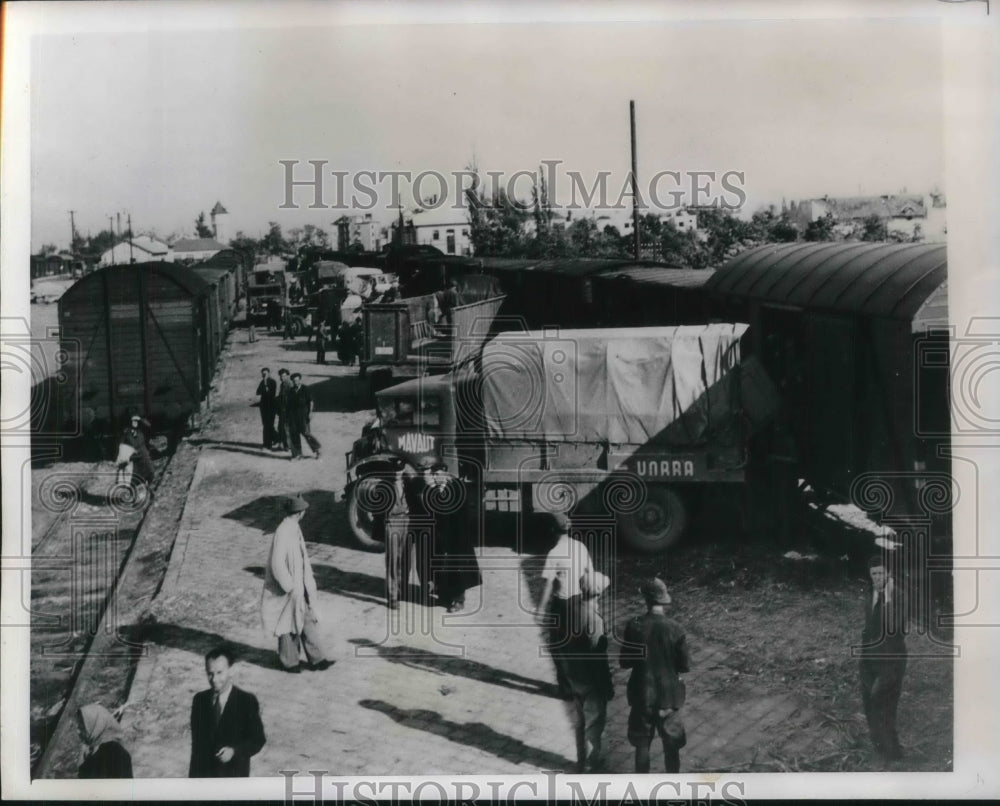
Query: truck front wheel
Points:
[362, 497]
[657, 524]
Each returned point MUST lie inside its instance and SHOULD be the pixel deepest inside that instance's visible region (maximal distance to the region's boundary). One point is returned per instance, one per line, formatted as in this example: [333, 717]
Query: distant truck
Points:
[411, 337]
[267, 294]
[627, 423]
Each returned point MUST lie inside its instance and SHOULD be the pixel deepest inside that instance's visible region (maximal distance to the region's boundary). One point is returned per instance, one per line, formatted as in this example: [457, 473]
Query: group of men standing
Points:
[423, 531]
[290, 401]
[226, 725]
[654, 648]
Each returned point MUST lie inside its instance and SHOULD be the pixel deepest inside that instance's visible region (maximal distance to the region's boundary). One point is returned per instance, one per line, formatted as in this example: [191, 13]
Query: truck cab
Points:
[626, 425]
[266, 289]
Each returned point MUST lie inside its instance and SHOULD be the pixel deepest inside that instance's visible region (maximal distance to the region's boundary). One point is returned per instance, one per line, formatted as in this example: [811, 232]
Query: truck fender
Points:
[376, 463]
[366, 483]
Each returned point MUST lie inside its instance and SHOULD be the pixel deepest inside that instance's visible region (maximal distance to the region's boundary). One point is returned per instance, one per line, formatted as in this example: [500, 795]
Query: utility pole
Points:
[111, 229]
[131, 259]
[635, 186]
[72, 231]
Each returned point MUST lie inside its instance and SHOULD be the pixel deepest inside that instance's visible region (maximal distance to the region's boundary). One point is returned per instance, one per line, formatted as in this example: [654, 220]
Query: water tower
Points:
[217, 211]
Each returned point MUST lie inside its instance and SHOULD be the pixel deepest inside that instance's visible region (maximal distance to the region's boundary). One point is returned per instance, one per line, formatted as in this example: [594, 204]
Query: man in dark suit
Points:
[282, 406]
[225, 723]
[299, 412]
[883, 659]
[267, 391]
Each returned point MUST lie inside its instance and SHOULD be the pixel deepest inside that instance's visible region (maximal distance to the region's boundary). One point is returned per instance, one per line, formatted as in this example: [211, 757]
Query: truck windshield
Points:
[411, 413]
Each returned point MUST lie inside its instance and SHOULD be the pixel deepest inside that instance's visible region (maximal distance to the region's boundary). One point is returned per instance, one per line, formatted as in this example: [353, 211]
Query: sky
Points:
[162, 124]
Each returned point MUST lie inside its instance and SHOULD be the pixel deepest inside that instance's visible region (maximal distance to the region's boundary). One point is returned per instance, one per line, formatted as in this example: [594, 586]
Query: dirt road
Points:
[773, 685]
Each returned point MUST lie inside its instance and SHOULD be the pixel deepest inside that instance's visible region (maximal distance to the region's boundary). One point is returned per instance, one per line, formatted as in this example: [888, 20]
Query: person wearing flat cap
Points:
[288, 602]
[655, 649]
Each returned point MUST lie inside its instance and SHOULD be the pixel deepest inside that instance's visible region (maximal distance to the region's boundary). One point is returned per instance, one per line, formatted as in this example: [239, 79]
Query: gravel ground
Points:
[772, 635]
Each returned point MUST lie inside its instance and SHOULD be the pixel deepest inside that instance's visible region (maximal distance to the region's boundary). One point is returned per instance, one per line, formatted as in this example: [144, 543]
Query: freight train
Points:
[145, 339]
[848, 344]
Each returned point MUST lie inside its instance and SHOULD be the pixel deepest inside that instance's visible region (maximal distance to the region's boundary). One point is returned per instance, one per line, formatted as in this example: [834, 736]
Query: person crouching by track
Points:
[138, 469]
[656, 651]
[104, 754]
[288, 602]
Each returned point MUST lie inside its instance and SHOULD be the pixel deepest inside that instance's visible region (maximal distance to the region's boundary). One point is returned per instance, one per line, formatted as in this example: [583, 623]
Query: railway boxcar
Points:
[649, 296]
[847, 331]
[224, 283]
[606, 292]
[216, 312]
[239, 260]
[137, 339]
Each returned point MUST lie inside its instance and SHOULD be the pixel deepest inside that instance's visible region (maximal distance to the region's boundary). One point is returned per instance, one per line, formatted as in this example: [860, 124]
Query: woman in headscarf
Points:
[104, 755]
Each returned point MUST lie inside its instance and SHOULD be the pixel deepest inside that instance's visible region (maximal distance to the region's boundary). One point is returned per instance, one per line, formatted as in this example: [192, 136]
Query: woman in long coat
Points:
[289, 598]
[104, 753]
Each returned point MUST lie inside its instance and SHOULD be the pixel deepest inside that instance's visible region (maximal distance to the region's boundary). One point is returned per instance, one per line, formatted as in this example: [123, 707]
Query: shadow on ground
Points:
[200, 642]
[471, 734]
[232, 446]
[320, 524]
[342, 393]
[461, 667]
[363, 587]
[297, 346]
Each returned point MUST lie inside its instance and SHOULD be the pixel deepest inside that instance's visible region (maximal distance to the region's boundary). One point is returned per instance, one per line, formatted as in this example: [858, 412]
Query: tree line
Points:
[501, 226]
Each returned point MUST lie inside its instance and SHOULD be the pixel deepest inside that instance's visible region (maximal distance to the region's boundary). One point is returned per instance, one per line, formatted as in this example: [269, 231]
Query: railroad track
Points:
[75, 570]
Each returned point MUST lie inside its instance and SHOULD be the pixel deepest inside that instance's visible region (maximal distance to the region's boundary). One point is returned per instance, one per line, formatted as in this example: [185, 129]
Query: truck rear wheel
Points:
[360, 517]
[656, 525]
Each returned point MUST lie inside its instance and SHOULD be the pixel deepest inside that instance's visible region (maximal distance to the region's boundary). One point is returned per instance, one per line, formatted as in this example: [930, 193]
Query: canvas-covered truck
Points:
[411, 337]
[267, 294]
[625, 422]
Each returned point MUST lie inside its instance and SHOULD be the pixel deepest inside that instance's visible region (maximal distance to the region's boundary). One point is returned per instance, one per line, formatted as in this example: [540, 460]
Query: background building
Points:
[916, 215]
[140, 249]
[445, 228]
[191, 250]
[358, 230]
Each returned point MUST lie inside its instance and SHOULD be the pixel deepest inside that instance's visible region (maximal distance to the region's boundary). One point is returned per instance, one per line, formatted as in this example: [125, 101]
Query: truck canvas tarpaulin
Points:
[621, 386]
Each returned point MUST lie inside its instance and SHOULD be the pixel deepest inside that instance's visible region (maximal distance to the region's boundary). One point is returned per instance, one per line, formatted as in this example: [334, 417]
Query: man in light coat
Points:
[289, 598]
